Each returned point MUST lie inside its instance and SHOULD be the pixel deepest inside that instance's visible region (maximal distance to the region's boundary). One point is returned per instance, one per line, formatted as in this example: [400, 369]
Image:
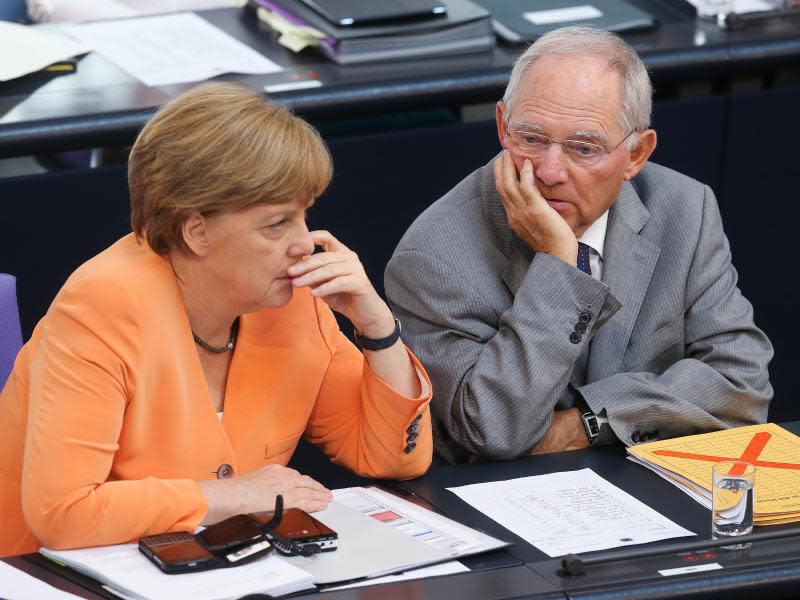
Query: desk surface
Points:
[772, 566]
[102, 105]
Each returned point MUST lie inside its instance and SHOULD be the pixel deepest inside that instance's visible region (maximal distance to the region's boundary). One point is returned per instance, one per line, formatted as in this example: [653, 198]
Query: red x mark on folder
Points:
[750, 455]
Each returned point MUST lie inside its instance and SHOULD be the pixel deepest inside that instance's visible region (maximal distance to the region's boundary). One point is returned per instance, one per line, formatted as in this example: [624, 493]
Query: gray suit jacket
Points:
[669, 349]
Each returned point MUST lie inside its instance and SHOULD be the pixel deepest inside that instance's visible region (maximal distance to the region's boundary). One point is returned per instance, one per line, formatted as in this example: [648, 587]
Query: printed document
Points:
[569, 512]
[26, 49]
[18, 584]
[380, 534]
[167, 49]
[126, 572]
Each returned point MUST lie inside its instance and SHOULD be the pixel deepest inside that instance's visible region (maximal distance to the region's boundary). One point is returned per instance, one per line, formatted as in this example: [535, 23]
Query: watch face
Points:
[591, 425]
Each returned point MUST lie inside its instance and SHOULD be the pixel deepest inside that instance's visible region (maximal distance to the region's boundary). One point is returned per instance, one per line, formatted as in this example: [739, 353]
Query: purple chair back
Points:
[10, 333]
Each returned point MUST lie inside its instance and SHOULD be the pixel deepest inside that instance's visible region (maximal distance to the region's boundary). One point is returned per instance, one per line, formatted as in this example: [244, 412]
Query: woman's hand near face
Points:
[256, 491]
[337, 276]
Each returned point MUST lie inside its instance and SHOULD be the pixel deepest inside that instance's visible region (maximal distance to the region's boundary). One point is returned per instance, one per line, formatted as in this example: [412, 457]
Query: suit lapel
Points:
[628, 264]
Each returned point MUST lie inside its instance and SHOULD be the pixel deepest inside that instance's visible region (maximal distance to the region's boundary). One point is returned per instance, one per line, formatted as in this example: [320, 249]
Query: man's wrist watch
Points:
[366, 343]
[591, 425]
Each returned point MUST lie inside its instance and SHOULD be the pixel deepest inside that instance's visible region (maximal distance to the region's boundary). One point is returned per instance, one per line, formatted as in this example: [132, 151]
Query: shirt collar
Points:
[595, 235]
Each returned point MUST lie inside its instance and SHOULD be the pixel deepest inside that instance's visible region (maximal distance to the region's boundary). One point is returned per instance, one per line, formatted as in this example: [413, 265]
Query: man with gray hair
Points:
[569, 292]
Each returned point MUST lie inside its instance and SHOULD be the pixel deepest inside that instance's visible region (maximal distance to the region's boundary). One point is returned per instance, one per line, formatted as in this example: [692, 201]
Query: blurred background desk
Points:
[403, 133]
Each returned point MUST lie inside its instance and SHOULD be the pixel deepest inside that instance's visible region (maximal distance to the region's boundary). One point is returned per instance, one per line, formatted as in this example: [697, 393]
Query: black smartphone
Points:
[177, 553]
[232, 533]
[299, 531]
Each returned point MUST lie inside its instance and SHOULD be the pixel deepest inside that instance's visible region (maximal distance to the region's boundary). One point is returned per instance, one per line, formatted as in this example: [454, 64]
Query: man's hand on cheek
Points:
[529, 215]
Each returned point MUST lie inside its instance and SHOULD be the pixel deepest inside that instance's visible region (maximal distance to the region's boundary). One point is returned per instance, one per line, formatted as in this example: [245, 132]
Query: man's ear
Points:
[500, 116]
[641, 153]
[195, 234]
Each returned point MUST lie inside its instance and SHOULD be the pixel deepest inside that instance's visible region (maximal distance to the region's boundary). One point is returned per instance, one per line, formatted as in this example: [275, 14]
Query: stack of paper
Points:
[126, 572]
[775, 452]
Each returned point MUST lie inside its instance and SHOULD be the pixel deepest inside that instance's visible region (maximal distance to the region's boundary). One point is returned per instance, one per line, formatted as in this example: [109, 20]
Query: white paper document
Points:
[124, 569]
[742, 6]
[25, 49]
[570, 512]
[380, 534]
[561, 15]
[449, 568]
[169, 49]
[18, 585]
[417, 522]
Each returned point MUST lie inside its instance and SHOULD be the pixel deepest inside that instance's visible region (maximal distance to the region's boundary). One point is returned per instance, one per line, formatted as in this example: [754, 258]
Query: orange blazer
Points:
[106, 424]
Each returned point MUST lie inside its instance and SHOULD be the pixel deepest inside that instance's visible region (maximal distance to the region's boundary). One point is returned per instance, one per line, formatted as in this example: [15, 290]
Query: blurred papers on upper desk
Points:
[168, 49]
[741, 7]
[569, 512]
[522, 21]
[465, 27]
[28, 49]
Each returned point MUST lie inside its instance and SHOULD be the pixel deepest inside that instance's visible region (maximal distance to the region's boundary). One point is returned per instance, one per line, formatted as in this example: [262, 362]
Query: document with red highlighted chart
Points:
[775, 452]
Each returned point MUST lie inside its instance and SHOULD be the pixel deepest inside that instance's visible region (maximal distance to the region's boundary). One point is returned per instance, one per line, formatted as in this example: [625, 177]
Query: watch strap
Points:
[366, 343]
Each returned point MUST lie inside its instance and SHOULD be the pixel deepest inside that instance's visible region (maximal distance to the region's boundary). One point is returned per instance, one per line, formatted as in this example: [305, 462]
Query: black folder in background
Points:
[354, 13]
[465, 27]
[519, 21]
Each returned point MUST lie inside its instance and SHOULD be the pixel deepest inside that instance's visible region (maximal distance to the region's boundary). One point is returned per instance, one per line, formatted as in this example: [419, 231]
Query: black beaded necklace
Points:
[219, 349]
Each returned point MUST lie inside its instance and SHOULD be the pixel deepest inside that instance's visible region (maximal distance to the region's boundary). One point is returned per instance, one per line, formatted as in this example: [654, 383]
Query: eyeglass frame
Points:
[551, 141]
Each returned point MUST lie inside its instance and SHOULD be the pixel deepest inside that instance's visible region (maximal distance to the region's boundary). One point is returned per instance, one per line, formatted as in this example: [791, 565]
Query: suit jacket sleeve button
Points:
[585, 317]
[636, 437]
[412, 436]
[580, 327]
[575, 337]
[409, 447]
[225, 471]
[413, 428]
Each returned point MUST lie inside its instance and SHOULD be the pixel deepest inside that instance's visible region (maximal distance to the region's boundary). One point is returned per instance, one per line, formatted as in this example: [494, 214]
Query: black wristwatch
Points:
[590, 422]
[366, 343]
[591, 425]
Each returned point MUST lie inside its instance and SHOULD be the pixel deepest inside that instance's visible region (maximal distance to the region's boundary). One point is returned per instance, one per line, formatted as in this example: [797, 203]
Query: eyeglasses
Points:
[535, 145]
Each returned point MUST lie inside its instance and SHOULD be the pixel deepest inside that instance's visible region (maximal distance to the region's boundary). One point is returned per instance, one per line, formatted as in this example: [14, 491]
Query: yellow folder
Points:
[775, 452]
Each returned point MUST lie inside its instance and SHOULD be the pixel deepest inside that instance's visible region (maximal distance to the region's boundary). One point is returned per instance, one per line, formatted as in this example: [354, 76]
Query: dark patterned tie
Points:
[583, 258]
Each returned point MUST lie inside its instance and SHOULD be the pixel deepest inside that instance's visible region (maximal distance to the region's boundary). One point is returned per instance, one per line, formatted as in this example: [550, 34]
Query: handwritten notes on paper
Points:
[569, 512]
[169, 49]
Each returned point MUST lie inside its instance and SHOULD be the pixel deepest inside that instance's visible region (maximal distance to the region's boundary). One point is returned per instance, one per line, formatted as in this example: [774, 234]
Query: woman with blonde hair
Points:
[173, 375]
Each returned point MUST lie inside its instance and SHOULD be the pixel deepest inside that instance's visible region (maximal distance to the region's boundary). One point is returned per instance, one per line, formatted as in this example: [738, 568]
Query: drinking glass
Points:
[732, 493]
